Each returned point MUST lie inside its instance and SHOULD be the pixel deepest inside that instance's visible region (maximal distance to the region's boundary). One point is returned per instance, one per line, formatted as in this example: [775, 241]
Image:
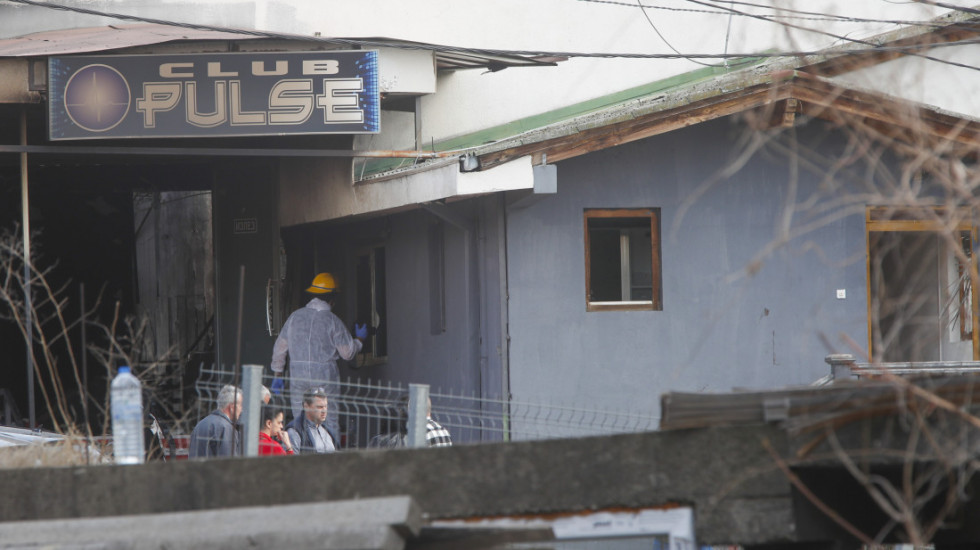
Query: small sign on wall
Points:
[246, 225]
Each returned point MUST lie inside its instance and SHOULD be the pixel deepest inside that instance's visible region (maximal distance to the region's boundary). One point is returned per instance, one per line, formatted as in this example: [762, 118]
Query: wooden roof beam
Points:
[820, 95]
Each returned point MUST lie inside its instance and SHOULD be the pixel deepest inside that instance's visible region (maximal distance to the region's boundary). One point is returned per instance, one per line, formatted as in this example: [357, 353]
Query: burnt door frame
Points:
[245, 207]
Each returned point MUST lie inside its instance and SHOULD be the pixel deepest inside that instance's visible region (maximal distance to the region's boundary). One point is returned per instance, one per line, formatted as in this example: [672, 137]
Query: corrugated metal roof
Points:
[96, 39]
[449, 58]
[117, 37]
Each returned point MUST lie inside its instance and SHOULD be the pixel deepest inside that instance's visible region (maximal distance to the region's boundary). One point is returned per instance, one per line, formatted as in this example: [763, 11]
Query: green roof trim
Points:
[372, 166]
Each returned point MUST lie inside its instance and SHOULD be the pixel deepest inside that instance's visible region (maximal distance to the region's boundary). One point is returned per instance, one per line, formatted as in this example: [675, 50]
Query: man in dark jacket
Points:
[307, 432]
[217, 434]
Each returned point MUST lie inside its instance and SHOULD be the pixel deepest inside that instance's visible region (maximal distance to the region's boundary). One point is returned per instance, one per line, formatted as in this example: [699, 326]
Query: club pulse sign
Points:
[205, 95]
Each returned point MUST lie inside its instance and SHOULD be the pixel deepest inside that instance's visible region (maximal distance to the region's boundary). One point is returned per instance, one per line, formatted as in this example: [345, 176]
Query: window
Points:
[921, 304]
[622, 259]
[371, 303]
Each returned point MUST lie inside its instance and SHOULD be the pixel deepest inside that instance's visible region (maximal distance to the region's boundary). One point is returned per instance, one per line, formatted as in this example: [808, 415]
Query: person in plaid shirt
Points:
[435, 434]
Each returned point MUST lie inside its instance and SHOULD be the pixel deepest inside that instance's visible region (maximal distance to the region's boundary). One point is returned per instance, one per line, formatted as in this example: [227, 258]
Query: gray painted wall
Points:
[741, 309]
[720, 328]
[466, 357]
[445, 360]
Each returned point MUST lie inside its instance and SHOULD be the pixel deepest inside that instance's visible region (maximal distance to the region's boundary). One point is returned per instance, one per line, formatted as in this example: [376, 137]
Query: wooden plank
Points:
[914, 226]
[809, 407]
[912, 212]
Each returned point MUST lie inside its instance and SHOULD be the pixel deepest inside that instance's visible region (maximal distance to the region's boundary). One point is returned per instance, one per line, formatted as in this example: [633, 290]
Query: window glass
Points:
[622, 251]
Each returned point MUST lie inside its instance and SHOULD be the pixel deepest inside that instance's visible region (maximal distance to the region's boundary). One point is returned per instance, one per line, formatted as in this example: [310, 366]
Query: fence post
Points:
[841, 366]
[251, 407]
[418, 409]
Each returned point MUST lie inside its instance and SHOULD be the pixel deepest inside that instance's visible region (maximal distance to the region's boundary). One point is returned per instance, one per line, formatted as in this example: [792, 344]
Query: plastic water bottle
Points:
[126, 401]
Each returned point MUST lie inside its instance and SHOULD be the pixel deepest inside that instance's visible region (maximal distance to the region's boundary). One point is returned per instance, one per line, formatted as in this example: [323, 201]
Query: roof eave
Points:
[652, 116]
[641, 118]
[945, 29]
[818, 97]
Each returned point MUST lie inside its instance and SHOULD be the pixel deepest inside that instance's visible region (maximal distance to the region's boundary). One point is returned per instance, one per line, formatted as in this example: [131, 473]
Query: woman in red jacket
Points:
[273, 439]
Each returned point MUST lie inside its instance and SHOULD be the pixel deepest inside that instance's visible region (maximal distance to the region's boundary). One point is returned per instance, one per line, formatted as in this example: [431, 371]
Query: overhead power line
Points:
[954, 7]
[803, 14]
[832, 35]
[909, 49]
[669, 45]
[823, 16]
[772, 19]
[651, 7]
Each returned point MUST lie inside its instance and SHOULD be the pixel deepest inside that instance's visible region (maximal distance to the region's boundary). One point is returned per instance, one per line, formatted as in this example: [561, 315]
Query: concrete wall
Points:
[732, 477]
[309, 188]
[723, 324]
[735, 501]
[15, 82]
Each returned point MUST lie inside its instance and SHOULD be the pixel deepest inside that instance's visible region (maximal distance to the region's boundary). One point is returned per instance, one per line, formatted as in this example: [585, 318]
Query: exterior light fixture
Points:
[469, 163]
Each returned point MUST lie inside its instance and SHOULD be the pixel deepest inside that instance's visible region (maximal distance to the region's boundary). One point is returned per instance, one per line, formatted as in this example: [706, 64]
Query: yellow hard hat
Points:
[323, 284]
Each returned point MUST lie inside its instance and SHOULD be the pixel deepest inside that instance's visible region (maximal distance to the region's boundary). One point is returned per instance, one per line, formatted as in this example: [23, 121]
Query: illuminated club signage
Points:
[209, 95]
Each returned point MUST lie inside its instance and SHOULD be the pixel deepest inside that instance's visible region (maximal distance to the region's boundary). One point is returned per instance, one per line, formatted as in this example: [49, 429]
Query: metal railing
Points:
[369, 409]
[845, 366]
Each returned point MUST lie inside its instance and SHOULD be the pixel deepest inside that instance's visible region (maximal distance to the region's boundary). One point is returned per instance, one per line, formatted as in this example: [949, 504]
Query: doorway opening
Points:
[921, 269]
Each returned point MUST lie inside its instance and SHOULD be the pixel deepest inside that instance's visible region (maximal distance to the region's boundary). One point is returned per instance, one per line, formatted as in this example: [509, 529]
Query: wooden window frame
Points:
[964, 295]
[656, 303]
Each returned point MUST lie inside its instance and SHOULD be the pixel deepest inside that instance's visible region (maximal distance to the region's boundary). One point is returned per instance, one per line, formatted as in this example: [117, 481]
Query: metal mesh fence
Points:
[369, 409]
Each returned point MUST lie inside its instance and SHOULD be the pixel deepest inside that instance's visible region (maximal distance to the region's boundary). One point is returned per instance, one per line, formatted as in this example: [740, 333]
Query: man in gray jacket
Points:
[217, 434]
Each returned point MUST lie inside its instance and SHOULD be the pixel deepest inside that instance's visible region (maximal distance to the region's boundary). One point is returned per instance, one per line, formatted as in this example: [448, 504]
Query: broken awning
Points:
[13, 437]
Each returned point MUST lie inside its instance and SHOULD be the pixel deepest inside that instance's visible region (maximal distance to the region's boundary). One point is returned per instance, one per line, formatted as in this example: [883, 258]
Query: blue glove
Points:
[361, 331]
[277, 385]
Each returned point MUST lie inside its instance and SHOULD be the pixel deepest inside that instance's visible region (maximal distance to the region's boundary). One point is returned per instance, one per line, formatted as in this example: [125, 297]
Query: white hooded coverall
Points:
[314, 338]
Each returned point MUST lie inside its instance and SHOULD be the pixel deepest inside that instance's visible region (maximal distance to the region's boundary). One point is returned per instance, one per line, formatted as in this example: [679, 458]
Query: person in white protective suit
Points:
[314, 338]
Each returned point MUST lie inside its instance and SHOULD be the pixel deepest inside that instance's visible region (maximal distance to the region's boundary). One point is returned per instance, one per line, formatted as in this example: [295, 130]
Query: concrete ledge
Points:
[709, 469]
[381, 523]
